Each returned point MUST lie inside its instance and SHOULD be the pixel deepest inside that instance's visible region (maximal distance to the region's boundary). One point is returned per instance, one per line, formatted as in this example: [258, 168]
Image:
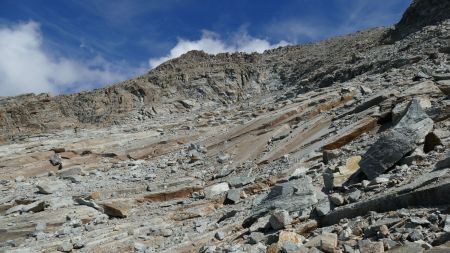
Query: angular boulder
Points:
[393, 145]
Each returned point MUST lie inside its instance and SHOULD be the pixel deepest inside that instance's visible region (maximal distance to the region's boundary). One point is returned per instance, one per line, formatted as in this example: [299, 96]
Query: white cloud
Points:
[26, 67]
[211, 43]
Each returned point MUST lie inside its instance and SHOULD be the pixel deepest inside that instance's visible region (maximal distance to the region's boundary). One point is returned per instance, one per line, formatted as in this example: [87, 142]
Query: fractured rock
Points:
[392, 146]
[294, 195]
[280, 219]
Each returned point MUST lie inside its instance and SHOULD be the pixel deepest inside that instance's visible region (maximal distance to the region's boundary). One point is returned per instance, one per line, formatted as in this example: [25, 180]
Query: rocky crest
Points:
[336, 146]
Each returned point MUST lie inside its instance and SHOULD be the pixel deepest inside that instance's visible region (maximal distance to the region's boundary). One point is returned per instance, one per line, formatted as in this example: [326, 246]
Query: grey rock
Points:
[392, 146]
[280, 219]
[337, 199]
[220, 235]
[237, 182]
[354, 195]
[444, 163]
[49, 187]
[217, 189]
[65, 247]
[256, 237]
[291, 196]
[447, 224]
[416, 235]
[444, 86]
[222, 158]
[90, 203]
[233, 196]
[366, 246]
[55, 160]
[323, 207]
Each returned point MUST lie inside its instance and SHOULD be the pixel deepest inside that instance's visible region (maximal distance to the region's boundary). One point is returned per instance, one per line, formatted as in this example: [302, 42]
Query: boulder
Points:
[393, 145]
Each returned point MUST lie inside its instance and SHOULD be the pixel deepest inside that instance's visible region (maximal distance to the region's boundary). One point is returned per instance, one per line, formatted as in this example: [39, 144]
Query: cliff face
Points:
[420, 13]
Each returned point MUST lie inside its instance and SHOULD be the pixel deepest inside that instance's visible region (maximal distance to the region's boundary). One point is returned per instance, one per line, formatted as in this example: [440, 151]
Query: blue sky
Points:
[62, 46]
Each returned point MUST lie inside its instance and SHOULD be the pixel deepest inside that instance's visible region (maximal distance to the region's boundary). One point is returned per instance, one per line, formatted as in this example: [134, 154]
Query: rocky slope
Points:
[337, 146]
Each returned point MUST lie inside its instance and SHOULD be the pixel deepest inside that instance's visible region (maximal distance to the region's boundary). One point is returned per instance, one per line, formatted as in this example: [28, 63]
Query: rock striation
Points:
[336, 146]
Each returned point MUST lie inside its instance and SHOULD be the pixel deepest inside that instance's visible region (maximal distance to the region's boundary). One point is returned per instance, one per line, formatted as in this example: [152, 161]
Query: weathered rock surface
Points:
[336, 146]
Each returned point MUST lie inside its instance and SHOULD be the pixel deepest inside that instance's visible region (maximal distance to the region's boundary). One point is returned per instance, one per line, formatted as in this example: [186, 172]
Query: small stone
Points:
[380, 180]
[286, 238]
[140, 247]
[167, 232]
[256, 237]
[366, 246]
[220, 235]
[354, 195]
[237, 182]
[116, 209]
[447, 224]
[384, 231]
[365, 90]
[65, 247]
[55, 160]
[416, 235]
[337, 199]
[280, 219]
[233, 196]
[35, 207]
[216, 189]
[41, 226]
[19, 179]
[222, 158]
[326, 242]
[49, 187]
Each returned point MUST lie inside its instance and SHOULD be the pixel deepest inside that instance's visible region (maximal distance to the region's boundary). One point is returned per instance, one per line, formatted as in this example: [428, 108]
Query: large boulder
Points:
[402, 139]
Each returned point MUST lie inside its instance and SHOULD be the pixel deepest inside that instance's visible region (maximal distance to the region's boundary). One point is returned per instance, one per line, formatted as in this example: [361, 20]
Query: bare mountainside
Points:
[336, 146]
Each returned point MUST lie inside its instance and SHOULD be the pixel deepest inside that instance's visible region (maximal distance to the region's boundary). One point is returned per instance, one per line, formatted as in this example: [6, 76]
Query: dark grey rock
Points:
[392, 146]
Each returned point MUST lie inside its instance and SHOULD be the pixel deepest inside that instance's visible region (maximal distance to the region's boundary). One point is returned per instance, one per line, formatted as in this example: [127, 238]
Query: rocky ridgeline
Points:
[337, 146]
